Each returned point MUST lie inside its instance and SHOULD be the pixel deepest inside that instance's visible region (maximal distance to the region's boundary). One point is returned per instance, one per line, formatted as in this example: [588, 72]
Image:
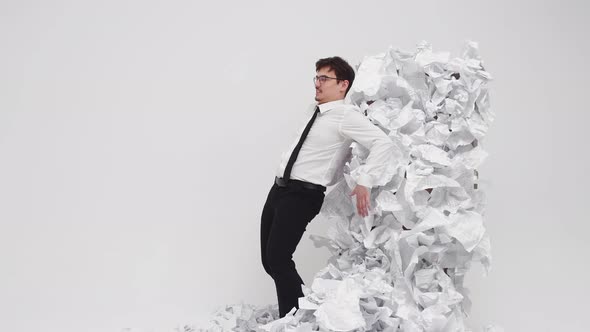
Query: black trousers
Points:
[285, 216]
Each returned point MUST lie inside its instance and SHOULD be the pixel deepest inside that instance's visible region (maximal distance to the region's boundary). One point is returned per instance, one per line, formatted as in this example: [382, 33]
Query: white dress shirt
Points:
[326, 147]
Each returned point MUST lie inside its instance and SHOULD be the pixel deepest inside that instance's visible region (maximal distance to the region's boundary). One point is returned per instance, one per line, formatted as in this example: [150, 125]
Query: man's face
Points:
[329, 90]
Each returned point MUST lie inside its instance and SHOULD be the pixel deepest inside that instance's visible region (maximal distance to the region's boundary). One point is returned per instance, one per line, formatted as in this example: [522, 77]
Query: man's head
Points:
[334, 77]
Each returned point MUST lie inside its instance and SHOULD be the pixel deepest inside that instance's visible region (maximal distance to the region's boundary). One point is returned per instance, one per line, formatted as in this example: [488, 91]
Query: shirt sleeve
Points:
[381, 149]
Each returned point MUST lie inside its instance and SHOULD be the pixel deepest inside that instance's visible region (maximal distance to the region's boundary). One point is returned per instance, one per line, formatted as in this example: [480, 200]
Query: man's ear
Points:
[345, 84]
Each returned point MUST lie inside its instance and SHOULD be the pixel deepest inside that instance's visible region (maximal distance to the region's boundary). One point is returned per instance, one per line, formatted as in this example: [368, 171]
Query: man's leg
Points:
[265, 226]
[295, 208]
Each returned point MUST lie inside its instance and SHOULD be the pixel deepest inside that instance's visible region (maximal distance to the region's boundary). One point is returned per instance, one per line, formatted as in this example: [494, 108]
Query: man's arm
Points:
[381, 154]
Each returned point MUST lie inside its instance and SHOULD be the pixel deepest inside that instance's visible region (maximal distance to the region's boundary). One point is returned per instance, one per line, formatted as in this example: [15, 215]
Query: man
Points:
[313, 162]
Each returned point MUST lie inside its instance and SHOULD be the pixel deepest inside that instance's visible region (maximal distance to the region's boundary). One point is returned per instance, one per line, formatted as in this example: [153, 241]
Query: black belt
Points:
[297, 183]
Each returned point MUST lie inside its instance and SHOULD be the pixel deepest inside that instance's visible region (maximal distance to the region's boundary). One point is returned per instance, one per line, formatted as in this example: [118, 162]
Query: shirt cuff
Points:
[365, 180]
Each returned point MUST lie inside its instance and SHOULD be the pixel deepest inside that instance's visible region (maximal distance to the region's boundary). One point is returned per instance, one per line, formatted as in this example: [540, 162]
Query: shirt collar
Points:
[330, 105]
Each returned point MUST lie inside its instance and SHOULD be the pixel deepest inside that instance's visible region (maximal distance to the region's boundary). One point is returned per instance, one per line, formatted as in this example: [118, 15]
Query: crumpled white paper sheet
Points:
[402, 268]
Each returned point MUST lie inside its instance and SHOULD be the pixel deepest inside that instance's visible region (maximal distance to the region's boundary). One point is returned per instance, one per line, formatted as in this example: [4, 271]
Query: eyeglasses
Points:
[322, 79]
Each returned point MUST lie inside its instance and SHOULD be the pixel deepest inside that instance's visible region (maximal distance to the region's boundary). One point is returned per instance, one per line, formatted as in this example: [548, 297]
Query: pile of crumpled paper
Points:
[401, 268]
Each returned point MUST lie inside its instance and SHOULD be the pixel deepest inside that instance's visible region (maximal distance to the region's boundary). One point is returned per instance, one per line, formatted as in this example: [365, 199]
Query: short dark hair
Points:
[342, 69]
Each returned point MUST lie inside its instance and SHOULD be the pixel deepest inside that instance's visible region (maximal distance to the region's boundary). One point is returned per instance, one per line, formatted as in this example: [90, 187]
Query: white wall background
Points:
[138, 140]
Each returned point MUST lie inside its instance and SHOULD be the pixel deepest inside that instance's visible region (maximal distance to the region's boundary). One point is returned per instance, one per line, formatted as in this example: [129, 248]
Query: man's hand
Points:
[362, 200]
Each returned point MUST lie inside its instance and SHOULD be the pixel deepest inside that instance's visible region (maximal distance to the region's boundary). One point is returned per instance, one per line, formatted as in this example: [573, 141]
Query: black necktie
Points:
[295, 152]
